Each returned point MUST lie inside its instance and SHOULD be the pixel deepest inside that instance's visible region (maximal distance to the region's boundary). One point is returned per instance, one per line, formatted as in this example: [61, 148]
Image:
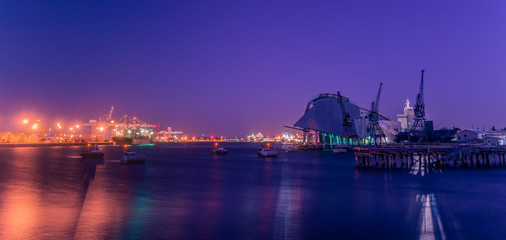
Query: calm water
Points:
[183, 192]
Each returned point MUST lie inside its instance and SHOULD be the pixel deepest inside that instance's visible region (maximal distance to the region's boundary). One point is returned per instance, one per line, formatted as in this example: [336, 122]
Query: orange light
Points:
[125, 146]
[89, 144]
[215, 144]
[25, 121]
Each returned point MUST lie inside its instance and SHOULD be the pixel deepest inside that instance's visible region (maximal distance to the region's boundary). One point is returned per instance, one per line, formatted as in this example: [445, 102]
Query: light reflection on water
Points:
[183, 192]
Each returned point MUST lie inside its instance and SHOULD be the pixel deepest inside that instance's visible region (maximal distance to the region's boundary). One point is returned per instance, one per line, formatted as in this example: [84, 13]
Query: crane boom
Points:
[420, 105]
[376, 104]
[420, 93]
[109, 116]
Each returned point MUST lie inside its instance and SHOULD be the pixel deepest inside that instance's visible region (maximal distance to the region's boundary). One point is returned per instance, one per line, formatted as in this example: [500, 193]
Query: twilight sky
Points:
[236, 67]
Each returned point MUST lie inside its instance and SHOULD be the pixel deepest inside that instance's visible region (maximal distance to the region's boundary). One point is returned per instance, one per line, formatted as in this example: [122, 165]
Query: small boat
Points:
[93, 153]
[218, 150]
[340, 150]
[132, 157]
[267, 151]
[291, 149]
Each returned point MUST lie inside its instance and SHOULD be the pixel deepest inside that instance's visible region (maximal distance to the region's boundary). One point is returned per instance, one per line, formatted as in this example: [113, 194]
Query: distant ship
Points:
[131, 141]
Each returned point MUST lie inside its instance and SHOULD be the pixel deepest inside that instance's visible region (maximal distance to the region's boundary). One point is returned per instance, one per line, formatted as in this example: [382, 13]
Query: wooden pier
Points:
[430, 156]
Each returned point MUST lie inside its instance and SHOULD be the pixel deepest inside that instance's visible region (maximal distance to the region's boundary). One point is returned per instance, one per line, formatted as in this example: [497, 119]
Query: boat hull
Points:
[92, 155]
[131, 157]
[268, 153]
[219, 152]
[131, 141]
[140, 160]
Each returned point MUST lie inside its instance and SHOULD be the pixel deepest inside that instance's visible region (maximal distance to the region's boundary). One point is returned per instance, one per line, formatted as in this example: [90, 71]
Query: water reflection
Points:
[186, 193]
[430, 226]
[422, 169]
[288, 205]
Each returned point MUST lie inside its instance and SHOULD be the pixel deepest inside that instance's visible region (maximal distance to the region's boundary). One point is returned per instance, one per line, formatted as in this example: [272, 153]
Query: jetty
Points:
[430, 156]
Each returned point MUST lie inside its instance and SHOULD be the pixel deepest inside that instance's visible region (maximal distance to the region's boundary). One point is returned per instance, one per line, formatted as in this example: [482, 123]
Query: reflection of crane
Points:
[376, 132]
[347, 124]
[418, 128]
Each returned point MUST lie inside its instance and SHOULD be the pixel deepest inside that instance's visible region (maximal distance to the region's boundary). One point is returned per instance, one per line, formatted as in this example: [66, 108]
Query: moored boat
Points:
[267, 151]
[218, 150]
[132, 157]
[289, 147]
[93, 153]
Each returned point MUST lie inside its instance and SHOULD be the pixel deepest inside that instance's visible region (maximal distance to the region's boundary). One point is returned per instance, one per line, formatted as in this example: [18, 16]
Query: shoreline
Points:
[11, 145]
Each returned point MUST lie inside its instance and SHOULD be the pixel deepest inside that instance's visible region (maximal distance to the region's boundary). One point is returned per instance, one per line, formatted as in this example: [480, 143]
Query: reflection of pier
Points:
[434, 156]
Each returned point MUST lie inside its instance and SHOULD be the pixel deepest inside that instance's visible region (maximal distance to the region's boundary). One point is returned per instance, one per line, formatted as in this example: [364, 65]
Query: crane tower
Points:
[347, 125]
[417, 131]
[376, 132]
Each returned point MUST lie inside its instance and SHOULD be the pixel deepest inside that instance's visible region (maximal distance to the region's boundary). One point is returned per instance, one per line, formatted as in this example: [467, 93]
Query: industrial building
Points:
[493, 138]
[407, 118]
[17, 137]
[322, 122]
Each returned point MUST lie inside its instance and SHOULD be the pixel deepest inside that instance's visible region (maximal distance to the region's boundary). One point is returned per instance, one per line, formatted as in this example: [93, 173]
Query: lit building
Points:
[471, 135]
[408, 118]
[9, 137]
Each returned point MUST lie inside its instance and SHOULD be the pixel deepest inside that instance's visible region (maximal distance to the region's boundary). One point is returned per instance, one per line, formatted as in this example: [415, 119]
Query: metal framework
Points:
[347, 125]
[417, 131]
[376, 133]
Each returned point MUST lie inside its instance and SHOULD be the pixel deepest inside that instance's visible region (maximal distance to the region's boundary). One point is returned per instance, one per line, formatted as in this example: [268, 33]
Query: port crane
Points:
[126, 126]
[102, 122]
[376, 132]
[417, 130]
[347, 130]
[107, 117]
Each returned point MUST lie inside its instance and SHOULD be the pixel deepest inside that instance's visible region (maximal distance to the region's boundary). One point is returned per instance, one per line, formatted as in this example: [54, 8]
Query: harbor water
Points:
[184, 192]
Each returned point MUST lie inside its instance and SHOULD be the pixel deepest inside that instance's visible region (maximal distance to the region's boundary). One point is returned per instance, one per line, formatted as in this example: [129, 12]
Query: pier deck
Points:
[430, 156]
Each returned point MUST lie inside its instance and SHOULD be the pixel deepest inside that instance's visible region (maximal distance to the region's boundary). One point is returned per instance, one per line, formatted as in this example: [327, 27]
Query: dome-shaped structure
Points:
[323, 115]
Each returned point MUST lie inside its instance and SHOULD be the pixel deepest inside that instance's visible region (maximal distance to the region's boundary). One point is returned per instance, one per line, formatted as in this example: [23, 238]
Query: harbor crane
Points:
[107, 117]
[347, 124]
[376, 132]
[417, 130]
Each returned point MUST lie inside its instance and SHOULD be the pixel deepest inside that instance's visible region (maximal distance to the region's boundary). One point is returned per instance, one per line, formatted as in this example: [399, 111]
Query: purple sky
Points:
[236, 67]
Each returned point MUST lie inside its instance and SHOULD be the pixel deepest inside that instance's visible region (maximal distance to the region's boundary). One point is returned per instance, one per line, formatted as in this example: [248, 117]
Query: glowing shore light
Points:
[34, 126]
[101, 128]
[25, 121]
